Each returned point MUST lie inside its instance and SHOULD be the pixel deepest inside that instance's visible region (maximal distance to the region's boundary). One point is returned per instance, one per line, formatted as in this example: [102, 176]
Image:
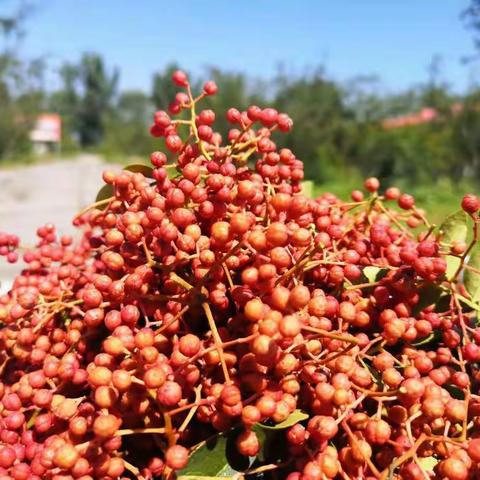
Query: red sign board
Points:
[48, 128]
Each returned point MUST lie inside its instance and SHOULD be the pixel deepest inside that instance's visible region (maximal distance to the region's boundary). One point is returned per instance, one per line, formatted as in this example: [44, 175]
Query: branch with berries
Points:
[214, 320]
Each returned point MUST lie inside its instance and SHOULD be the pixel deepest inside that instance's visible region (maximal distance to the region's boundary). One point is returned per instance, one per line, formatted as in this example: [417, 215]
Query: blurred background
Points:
[390, 89]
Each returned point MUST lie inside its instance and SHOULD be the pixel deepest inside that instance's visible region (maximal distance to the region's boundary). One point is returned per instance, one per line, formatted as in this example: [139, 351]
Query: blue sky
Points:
[392, 39]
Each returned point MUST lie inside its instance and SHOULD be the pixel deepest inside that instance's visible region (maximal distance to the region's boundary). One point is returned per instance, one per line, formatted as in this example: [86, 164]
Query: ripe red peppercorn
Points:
[176, 457]
[406, 201]
[210, 88]
[211, 291]
[169, 394]
[106, 425]
[180, 78]
[174, 143]
[471, 203]
[372, 184]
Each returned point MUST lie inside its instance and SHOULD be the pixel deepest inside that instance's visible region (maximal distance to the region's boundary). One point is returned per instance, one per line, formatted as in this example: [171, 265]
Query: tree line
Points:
[338, 127]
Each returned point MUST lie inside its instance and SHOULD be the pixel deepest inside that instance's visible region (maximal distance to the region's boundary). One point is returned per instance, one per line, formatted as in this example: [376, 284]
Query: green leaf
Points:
[307, 188]
[374, 274]
[272, 440]
[145, 170]
[429, 339]
[429, 294]
[428, 463]
[202, 477]
[468, 303]
[292, 419]
[472, 279]
[373, 371]
[272, 443]
[454, 391]
[173, 173]
[454, 229]
[424, 340]
[452, 266]
[105, 192]
[266, 438]
[443, 303]
[32, 419]
[216, 457]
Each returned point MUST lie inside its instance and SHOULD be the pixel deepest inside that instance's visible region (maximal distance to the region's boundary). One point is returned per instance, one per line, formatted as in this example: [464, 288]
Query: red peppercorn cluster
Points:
[8, 246]
[208, 295]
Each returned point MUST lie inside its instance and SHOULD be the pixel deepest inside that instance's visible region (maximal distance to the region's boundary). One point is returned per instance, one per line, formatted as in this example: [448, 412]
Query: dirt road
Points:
[51, 192]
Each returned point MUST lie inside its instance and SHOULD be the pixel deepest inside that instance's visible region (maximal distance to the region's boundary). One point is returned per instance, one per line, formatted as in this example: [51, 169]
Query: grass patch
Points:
[437, 199]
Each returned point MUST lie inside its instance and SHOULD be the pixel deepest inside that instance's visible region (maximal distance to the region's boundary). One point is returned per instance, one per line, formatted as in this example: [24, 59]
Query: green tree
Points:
[163, 90]
[86, 98]
[317, 105]
[21, 88]
[471, 16]
[99, 88]
[466, 137]
[234, 90]
[65, 102]
[127, 131]
[435, 92]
